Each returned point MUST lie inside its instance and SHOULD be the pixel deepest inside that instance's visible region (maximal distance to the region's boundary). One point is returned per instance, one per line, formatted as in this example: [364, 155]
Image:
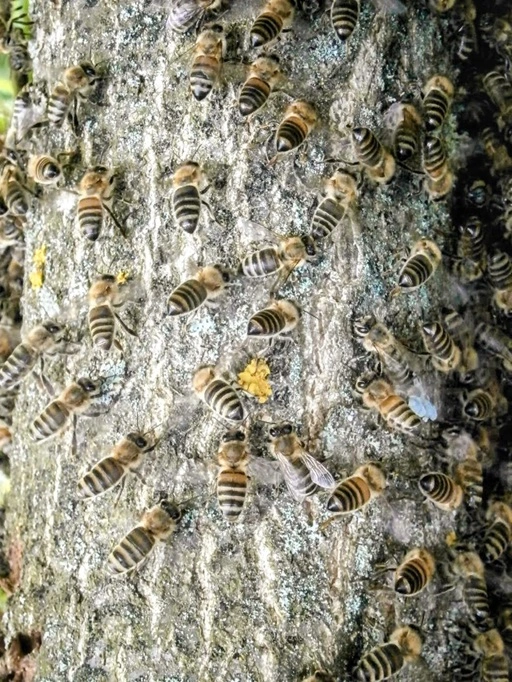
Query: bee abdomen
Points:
[186, 206]
[266, 323]
[290, 135]
[102, 326]
[400, 416]
[434, 158]
[266, 27]
[90, 217]
[326, 217]
[475, 595]
[131, 551]
[305, 487]
[186, 298]
[15, 199]
[495, 669]
[349, 496]
[369, 150]
[101, 478]
[438, 341]
[480, 407]
[344, 16]
[496, 541]
[471, 478]
[221, 398]
[435, 106]
[253, 96]
[58, 105]
[439, 488]
[500, 271]
[53, 418]
[203, 75]
[411, 578]
[17, 366]
[380, 663]
[231, 491]
[261, 263]
[406, 142]
[416, 272]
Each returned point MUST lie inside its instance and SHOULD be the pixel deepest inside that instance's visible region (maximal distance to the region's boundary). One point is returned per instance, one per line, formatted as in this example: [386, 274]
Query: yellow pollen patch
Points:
[36, 277]
[253, 379]
[122, 277]
[39, 257]
[451, 538]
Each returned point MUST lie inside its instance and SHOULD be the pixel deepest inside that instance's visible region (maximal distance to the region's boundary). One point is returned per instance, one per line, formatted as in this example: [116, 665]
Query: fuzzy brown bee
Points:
[96, 190]
[441, 490]
[233, 458]
[340, 197]
[219, 395]
[378, 163]
[280, 317]
[355, 492]
[209, 52]
[470, 568]
[264, 76]
[277, 15]
[78, 81]
[445, 355]
[204, 289]
[499, 532]
[291, 253]
[299, 120]
[414, 573]
[186, 200]
[386, 660]
[379, 395]
[424, 259]
[438, 95]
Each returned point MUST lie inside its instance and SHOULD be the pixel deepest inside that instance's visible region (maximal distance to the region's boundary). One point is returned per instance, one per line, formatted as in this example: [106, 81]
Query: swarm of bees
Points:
[465, 349]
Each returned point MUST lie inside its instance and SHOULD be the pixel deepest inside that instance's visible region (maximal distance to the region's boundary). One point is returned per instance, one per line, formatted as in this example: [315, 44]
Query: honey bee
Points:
[494, 665]
[406, 123]
[441, 6]
[13, 192]
[500, 274]
[218, 395]
[499, 532]
[264, 76]
[205, 288]
[44, 170]
[469, 475]
[298, 122]
[157, 524]
[471, 251]
[496, 150]
[469, 567]
[445, 355]
[379, 395]
[126, 456]
[233, 458]
[96, 191]
[423, 261]
[344, 17]
[494, 341]
[340, 198]
[499, 90]
[104, 298]
[302, 472]
[186, 197]
[185, 14]
[414, 573]
[280, 317]
[441, 490]
[40, 340]
[483, 404]
[462, 336]
[209, 52]
[435, 161]
[291, 253]
[468, 41]
[74, 400]
[78, 82]
[277, 16]
[355, 492]
[319, 676]
[505, 622]
[437, 97]
[384, 661]
[378, 163]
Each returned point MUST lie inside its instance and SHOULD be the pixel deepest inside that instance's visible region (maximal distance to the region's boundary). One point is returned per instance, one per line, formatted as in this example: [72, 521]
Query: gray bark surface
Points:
[271, 597]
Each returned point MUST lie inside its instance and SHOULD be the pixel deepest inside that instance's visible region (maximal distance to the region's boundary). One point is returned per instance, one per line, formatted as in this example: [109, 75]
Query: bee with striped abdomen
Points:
[40, 340]
[218, 395]
[439, 180]
[499, 531]
[344, 17]
[189, 182]
[205, 288]
[463, 336]
[276, 16]
[209, 52]
[299, 120]
[469, 567]
[185, 14]
[126, 457]
[406, 123]
[384, 661]
[74, 400]
[494, 341]
[423, 261]
[378, 163]
[11, 231]
[469, 475]
[437, 98]
[77, 82]
[494, 663]
[380, 396]
[496, 150]
[157, 524]
[484, 404]
[414, 573]
[278, 318]
[13, 191]
[96, 190]
[264, 76]
[340, 197]
[441, 490]
[104, 298]
[499, 89]
[504, 622]
[444, 353]
[291, 253]
[355, 492]
[302, 472]
[44, 170]
[233, 458]
[471, 251]
[499, 269]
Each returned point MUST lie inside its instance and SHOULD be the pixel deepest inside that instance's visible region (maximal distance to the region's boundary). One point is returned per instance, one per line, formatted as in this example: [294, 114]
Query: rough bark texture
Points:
[271, 597]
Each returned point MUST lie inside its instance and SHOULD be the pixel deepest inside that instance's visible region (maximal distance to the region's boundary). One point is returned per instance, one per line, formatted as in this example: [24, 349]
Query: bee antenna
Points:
[310, 313]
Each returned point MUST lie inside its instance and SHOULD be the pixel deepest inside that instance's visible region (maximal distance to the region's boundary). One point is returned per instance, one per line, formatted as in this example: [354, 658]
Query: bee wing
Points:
[183, 13]
[319, 473]
[264, 471]
[390, 6]
[292, 478]
[423, 408]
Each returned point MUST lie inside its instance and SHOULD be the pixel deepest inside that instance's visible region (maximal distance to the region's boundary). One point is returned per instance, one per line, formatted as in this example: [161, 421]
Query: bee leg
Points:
[119, 491]
[127, 329]
[118, 345]
[74, 442]
[116, 222]
[139, 476]
[72, 117]
[328, 522]
[43, 380]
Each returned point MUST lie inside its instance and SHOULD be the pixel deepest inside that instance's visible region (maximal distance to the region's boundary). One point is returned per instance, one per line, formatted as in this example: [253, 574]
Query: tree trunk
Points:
[270, 597]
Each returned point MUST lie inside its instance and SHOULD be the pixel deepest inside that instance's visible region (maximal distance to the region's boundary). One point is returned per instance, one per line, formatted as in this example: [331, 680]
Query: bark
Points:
[271, 597]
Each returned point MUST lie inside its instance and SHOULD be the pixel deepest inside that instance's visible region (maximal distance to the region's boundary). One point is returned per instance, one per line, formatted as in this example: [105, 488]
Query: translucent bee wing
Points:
[319, 473]
[292, 477]
[423, 407]
[264, 471]
[390, 6]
